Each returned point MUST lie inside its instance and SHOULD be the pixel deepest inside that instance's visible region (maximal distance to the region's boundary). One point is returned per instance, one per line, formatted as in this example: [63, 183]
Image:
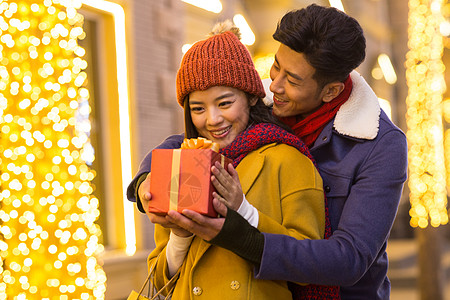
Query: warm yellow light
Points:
[263, 64]
[387, 68]
[377, 73]
[337, 4]
[435, 6]
[124, 115]
[185, 48]
[214, 6]
[425, 79]
[47, 208]
[386, 106]
[248, 37]
[444, 28]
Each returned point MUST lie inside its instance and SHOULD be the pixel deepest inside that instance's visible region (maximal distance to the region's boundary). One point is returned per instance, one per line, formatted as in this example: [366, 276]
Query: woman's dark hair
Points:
[190, 131]
[259, 113]
[332, 42]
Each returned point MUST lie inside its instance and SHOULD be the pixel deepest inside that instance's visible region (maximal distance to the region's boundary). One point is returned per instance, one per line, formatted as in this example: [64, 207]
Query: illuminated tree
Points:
[49, 239]
[427, 173]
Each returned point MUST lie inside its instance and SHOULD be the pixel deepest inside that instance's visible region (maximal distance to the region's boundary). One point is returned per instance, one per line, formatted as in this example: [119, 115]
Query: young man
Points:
[360, 154]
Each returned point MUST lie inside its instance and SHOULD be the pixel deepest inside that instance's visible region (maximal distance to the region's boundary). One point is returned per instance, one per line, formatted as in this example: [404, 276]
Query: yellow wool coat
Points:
[286, 188]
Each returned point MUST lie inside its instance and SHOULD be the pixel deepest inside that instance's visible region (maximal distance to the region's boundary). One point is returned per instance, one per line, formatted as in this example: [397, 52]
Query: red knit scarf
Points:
[309, 128]
[259, 135]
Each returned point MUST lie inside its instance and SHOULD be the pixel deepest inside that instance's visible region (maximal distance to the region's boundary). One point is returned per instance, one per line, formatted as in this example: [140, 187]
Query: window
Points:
[108, 115]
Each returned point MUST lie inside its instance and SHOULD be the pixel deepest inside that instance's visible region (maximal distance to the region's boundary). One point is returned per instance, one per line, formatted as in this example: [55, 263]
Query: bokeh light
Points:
[426, 85]
[48, 236]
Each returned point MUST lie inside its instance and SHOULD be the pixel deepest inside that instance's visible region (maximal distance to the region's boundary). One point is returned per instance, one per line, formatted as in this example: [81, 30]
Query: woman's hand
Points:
[202, 226]
[165, 222]
[228, 186]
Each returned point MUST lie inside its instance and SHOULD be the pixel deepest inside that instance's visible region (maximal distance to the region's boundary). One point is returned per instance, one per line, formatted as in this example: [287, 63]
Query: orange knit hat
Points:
[220, 60]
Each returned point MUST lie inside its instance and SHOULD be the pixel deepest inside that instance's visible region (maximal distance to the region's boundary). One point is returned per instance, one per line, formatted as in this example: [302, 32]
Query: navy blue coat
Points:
[362, 157]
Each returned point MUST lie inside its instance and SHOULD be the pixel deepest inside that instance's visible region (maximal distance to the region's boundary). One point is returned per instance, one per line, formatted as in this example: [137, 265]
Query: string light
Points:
[337, 4]
[248, 37]
[426, 85]
[387, 69]
[214, 6]
[446, 104]
[48, 236]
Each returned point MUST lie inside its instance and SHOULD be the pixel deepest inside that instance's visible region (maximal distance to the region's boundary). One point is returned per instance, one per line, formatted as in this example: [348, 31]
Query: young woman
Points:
[221, 92]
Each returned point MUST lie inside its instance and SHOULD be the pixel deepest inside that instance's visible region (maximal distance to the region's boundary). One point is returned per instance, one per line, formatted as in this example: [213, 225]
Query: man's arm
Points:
[363, 229]
[172, 142]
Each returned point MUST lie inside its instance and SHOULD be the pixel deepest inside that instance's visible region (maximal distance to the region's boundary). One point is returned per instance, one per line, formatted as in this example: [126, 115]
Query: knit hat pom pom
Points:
[225, 26]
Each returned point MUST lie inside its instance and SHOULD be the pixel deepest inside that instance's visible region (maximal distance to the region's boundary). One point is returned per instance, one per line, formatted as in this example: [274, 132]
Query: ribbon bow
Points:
[200, 143]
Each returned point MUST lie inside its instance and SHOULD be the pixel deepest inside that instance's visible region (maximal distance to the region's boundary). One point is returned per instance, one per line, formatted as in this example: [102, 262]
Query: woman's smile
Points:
[220, 133]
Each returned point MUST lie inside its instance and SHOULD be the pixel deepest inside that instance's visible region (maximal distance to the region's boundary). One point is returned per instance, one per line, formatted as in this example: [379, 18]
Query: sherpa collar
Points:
[359, 116]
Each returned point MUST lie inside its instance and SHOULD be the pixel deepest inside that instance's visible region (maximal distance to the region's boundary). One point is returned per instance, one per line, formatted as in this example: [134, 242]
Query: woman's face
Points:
[219, 113]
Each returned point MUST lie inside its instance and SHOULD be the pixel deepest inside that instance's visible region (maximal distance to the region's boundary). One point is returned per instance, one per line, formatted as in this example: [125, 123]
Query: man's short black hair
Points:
[332, 42]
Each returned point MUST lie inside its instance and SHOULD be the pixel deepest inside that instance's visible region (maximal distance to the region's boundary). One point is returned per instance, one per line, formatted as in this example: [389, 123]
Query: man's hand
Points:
[228, 186]
[202, 226]
[144, 192]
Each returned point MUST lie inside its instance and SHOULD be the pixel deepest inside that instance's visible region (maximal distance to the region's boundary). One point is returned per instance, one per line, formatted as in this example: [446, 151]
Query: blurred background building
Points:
[88, 88]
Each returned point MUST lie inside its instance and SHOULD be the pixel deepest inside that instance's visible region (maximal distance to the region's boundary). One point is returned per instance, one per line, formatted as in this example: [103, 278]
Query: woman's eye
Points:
[225, 103]
[196, 109]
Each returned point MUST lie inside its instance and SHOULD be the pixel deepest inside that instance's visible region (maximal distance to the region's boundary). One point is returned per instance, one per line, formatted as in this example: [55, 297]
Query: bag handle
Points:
[150, 274]
[172, 280]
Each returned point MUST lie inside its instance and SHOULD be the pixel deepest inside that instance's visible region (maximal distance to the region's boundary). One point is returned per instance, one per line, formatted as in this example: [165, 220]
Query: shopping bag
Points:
[136, 296]
[152, 294]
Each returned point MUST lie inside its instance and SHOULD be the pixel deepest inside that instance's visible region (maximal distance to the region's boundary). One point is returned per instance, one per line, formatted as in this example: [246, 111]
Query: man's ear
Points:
[332, 90]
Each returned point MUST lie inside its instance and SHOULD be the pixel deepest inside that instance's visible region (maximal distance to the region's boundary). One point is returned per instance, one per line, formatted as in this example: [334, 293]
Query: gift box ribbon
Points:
[175, 183]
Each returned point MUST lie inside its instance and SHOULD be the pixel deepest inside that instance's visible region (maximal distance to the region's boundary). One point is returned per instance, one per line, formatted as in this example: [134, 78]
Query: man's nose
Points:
[277, 85]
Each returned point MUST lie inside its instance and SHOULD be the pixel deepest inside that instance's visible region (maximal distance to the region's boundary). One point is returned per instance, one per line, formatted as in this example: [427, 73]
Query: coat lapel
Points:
[249, 169]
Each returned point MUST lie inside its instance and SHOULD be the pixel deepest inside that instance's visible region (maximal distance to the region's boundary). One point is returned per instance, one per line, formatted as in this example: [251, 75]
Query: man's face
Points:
[295, 91]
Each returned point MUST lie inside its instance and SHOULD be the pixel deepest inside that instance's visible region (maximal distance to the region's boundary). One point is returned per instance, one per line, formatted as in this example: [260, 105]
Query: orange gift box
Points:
[181, 179]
